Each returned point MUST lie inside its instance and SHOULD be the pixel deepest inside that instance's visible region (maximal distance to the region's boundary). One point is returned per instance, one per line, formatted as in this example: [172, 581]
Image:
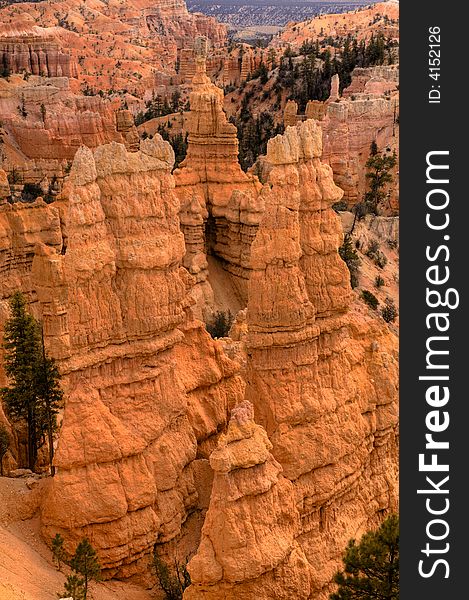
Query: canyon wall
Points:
[35, 50]
[350, 126]
[44, 123]
[147, 389]
[171, 19]
[322, 377]
[66, 122]
[109, 45]
[226, 67]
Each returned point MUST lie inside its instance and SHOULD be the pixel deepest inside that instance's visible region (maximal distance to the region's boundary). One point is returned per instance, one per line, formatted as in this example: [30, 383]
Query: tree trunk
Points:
[51, 442]
[31, 437]
[50, 436]
[354, 222]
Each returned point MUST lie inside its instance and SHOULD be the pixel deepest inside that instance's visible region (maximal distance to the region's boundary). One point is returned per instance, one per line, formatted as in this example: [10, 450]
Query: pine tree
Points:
[85, 562]
[50, 396]
[172, 584]
[272, 59]
[22, 108]
[34, 394]
[22, 344]
[4, 445]
[379, 166]
[74, 587]
[371, 566]
[349, 255]
[58, 551]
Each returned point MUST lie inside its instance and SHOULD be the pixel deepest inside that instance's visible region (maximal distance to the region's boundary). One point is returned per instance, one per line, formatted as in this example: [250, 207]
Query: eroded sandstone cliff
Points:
[109, 45]
[248, 547]
[322, 376]
[147, 389]
[221, 205]
[34, 50]
[367, 112]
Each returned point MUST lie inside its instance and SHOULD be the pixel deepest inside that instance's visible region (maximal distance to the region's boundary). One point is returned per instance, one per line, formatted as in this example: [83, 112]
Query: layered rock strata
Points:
[126, 126]
[211, 181]
[368, 112]
[65, 122]
[138, 39]
[322, 376]
[147, 389]
[349, 129]
[36, 51]
[170, 18]
[374, 80]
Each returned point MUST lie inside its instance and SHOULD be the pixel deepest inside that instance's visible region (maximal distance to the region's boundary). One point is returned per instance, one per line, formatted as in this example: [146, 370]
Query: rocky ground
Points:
[27, 571]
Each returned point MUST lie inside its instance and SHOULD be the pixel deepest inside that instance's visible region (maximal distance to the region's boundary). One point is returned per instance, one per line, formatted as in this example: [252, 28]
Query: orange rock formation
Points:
[36, 51]
[323, 382]
[223, 201]
[103, 268]
[248, 547]
[112, 267]
[112, 45]
[44, 123]
[367, 112]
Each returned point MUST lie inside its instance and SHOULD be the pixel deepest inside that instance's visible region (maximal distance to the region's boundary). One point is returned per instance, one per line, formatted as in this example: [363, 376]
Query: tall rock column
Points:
[248, 548]
[148, 390]
[321, 372]
[211, 172]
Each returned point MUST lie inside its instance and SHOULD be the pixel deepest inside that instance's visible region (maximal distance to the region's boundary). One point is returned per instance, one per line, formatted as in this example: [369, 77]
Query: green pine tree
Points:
[85, 562]
[74, 588]
[4, 445]
[34, 393]
[371, 566]
[22, 346]
[58, 551]
[173, 583]
[379, 176]
[349, 255]
[50, 396]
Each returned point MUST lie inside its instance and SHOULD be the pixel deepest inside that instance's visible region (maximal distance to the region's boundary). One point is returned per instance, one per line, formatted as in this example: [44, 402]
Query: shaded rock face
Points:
[147, 388]
[350, 127]
[368, 112]
[248, 546]
[34, 50]
[67, 121]
[211, 182]
[125, 124]
[374, 80]
[227, 67]
[322, 377]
